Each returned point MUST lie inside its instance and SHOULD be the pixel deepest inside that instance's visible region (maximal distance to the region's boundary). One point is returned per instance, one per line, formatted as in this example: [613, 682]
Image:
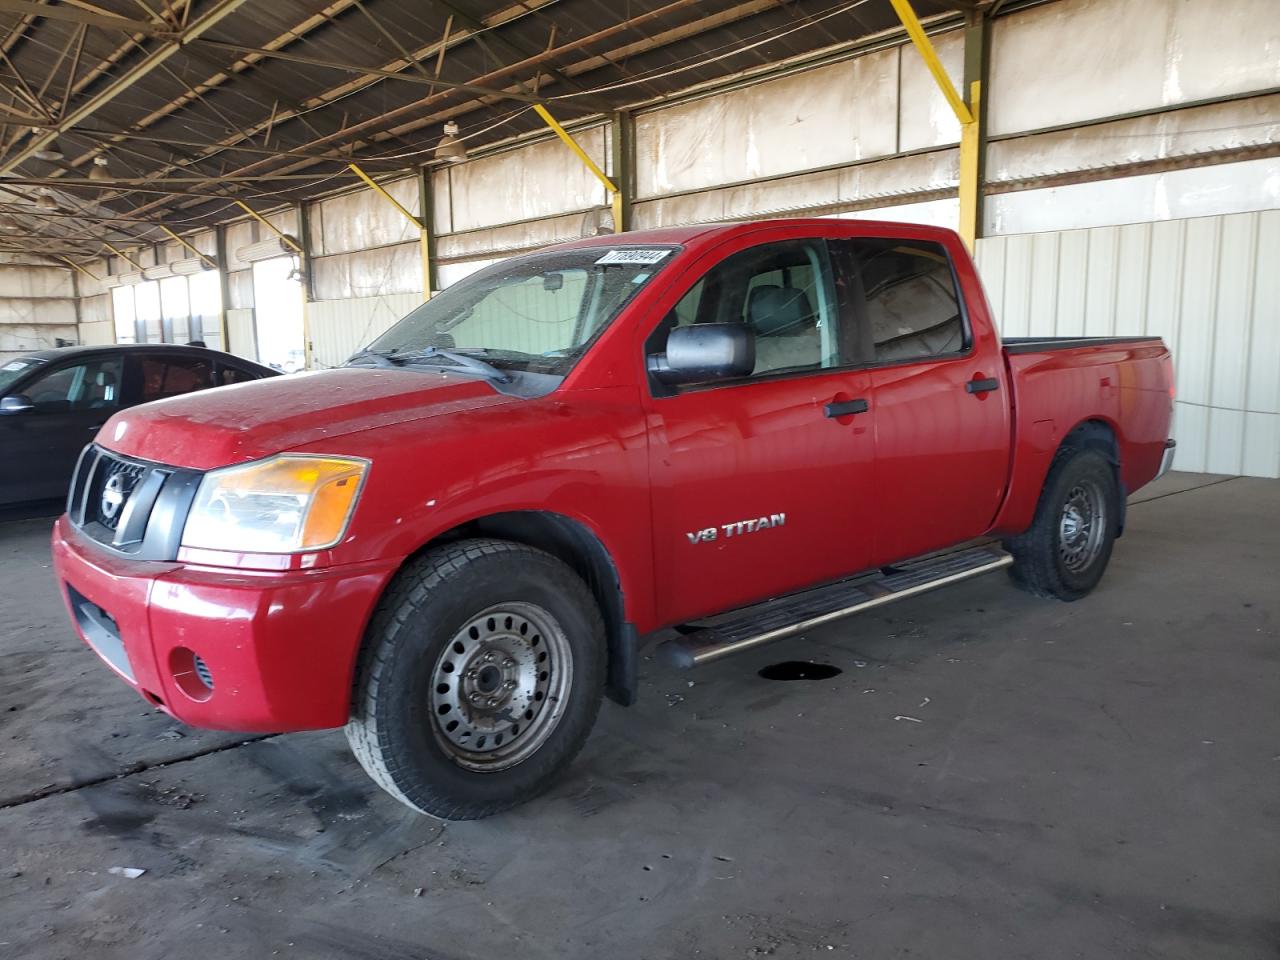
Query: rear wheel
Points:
[1068, 546]
[480, 679]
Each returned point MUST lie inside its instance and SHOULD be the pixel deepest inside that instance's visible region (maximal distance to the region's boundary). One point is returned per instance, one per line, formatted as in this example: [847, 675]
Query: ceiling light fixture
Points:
[450, 148]
[100, 171]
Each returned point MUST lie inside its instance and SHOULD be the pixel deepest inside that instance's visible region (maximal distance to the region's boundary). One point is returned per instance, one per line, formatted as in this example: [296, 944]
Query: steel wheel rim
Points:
[1081, 526]
[499, 687]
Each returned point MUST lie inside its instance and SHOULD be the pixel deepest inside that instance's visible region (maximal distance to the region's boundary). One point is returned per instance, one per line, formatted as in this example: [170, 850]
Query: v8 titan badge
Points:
[737, 528]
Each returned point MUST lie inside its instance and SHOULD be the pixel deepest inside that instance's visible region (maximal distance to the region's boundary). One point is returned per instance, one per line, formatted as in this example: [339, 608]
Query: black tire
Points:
[1054, 558]
[395, 730]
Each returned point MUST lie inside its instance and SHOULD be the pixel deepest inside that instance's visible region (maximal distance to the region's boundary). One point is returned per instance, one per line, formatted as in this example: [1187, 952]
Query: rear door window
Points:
[172, 376]
[228, 374]
[910, 302]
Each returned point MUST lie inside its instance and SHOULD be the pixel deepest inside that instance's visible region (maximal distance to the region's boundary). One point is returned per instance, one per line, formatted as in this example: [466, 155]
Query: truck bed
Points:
[1043, 344]
[1122, 384]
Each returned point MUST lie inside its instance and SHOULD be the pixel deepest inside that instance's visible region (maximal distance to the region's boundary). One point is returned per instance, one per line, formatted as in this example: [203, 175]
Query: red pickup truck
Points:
[454, 545]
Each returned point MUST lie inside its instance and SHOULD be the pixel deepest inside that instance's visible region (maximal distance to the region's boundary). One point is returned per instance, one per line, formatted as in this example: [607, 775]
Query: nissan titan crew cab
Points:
[453, 545]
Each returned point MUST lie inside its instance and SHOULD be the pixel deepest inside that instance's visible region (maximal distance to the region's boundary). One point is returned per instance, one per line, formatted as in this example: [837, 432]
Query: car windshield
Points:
[535, 314]
[12, 370]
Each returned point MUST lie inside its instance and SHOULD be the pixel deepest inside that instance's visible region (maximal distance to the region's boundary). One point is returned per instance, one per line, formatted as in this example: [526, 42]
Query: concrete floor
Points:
[991, 776]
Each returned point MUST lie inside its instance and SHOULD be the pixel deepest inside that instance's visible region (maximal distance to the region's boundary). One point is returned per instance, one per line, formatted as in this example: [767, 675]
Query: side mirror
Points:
[706, 351]
[17, 403]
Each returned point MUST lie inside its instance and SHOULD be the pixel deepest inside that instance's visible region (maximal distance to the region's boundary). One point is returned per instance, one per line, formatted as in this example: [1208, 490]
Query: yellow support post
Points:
[969, 168]
[967, 113]
[207, 262]
[424, 236]
[615, 194]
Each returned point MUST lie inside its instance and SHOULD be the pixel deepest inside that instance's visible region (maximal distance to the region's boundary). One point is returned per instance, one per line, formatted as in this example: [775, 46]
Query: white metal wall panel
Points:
[539, 180]
[1076, 60]
[18, 338]
[1209, 286]
[96, 332]
[1178, 194]
[877, 180]
[1181, 133]
[834, 114]
[1262, 368]
[530, 235]
[242, 340]
[341, 327]
[933, 213]
[451, 273]
[927, 120]
[358, 221]
[369, 273]
[95, 309]
[36, 282]
[42, 313]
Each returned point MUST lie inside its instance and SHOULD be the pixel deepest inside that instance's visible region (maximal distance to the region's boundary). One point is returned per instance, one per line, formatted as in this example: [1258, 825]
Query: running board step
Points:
[794, 614]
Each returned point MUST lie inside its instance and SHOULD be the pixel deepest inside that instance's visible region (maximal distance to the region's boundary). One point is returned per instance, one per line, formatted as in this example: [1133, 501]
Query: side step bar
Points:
[774, 619]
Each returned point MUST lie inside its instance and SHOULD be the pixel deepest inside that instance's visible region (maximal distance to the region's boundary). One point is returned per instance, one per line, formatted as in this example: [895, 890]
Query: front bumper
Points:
[1166, 462]
[278, 647]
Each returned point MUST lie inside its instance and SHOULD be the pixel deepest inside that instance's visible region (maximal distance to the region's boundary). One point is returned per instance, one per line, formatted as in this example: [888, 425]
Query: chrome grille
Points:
[133, 507]
[114, 482]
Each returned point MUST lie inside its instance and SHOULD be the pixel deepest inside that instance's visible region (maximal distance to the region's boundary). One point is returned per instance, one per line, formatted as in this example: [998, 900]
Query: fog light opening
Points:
[203, 672]
[191, 674]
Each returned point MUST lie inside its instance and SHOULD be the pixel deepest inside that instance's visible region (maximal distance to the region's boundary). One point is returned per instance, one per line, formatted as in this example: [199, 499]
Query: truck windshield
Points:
[537, 313]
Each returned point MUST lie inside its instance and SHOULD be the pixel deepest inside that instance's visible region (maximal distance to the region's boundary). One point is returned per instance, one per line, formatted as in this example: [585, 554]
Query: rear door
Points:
[756, 489]
[942, 407]
[160, 375]
[40, 446]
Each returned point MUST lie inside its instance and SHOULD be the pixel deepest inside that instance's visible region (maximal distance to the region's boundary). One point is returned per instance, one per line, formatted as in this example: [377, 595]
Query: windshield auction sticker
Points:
[633, 256]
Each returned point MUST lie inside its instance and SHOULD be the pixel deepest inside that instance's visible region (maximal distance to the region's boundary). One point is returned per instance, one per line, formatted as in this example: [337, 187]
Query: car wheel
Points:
[1068, 546]
[480, 678]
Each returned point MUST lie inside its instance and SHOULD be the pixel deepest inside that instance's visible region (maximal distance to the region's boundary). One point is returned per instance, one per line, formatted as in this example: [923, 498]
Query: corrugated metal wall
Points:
[1210, 286]
[341, 327]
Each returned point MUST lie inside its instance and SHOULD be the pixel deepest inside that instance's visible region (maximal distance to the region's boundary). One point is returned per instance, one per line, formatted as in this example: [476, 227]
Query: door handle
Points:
[982, 386]
[845, 408]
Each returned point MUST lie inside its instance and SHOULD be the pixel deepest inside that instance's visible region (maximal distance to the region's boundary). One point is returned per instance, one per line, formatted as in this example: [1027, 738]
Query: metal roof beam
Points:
[219, 11]
[425, 81]
[76, 15]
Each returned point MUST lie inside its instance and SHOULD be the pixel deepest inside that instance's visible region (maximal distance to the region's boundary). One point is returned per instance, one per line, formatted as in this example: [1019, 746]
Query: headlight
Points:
[281, 505]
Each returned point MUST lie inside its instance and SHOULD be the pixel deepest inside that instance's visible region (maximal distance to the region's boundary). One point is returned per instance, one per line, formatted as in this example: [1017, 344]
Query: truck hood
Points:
[248, 421]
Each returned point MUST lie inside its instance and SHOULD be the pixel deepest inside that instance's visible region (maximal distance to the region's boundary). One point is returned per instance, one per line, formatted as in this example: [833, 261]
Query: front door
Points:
[40, 446]
[762, 485]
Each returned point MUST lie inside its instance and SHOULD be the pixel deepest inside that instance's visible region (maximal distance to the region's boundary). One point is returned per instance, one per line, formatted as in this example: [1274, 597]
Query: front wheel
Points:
[480, 679]
[1068, 546]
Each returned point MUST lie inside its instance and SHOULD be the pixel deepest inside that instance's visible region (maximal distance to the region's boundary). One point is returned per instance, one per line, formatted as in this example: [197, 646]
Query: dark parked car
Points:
[52, 402]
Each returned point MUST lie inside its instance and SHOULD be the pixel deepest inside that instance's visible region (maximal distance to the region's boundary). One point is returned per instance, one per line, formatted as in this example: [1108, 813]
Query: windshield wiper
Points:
[379, 359]
[451, 357]
[454, 357]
